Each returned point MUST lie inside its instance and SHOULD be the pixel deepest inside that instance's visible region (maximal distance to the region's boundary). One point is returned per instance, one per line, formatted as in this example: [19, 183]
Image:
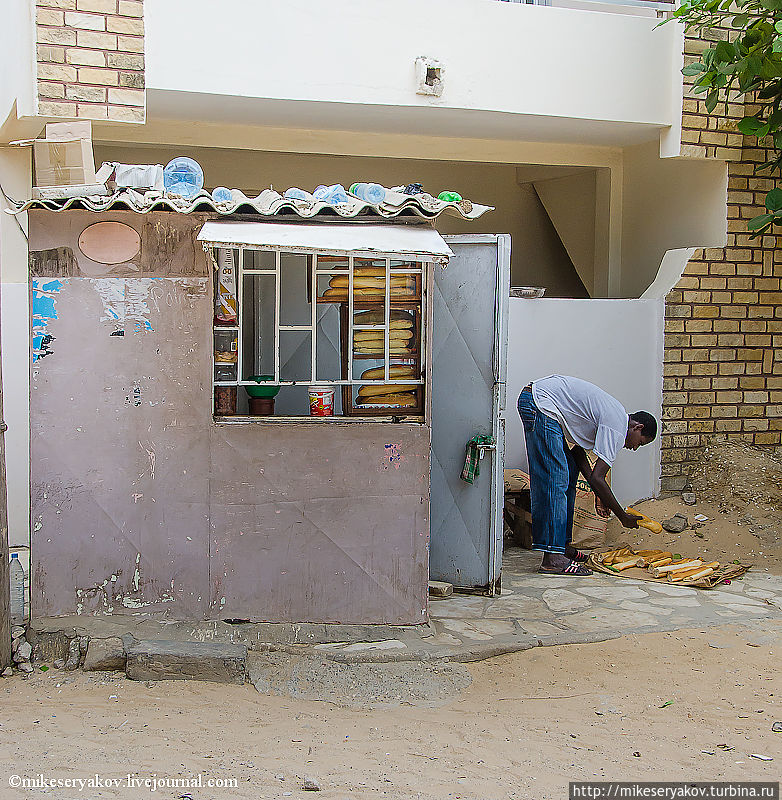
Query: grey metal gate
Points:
[470, 301]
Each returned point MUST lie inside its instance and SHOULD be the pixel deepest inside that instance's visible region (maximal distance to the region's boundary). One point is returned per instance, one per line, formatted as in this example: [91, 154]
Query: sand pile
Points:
[739, 489]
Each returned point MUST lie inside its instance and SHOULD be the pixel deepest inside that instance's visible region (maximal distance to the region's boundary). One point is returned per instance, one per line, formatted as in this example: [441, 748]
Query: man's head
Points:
[641, 429]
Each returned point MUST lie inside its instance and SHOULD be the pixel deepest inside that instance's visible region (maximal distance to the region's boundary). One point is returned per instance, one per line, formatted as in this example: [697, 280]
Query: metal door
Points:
[469, 347]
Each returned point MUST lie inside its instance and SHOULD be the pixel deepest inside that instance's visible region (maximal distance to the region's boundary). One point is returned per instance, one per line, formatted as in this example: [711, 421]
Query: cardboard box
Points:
[63, 163]
[66, 131]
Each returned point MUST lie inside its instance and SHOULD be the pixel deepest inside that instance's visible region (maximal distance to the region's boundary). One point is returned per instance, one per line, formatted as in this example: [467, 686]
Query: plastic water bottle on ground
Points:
[17, 589]
[372, 193]
[335, 194]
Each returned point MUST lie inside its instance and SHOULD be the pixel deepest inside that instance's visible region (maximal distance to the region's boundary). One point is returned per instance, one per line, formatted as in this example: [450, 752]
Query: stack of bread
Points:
[369, 283]
[401, 333]
[395, 395]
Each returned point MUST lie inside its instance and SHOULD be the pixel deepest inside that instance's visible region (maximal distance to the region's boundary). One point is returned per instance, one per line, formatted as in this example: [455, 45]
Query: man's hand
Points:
[601, 508]
[629, 520]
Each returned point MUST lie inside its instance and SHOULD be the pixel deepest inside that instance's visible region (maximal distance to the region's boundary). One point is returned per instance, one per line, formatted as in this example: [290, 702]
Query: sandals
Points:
[573, 568]
[576, 555]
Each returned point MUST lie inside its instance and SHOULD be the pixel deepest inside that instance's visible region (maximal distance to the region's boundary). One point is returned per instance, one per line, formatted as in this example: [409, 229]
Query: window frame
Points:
[423, 271]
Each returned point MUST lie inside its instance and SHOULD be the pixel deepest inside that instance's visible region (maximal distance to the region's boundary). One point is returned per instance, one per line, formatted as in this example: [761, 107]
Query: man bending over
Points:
[554, 410]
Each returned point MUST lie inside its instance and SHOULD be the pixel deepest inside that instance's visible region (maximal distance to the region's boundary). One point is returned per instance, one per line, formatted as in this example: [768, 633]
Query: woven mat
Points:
[724, 572]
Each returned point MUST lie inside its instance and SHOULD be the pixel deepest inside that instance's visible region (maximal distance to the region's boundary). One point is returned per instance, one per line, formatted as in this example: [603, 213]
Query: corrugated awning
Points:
[328, 238]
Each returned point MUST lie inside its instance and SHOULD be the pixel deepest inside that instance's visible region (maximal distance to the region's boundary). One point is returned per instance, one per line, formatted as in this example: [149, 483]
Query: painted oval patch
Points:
[110, 242]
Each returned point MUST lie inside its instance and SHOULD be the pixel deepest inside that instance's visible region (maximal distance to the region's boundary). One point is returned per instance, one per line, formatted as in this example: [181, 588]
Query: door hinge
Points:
[3, 427]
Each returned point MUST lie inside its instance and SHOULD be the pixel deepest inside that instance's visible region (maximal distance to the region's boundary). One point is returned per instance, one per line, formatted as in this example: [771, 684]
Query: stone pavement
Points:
[533, 610]
[565, 610]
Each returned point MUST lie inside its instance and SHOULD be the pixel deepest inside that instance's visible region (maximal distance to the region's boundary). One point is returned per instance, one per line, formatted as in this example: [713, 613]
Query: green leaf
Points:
[778, 26]
[761, 221]
[694, 69]
[774, 200]
[711, 101]
[724, 51]
[739, 21]
[749, 126]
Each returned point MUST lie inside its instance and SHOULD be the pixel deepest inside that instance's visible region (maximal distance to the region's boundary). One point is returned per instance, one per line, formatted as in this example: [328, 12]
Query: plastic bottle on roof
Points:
[335, 194]
[372, 193]
[294, 193]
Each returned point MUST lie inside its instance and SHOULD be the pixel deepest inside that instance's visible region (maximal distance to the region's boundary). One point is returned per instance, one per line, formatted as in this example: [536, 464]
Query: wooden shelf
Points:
[349, 407]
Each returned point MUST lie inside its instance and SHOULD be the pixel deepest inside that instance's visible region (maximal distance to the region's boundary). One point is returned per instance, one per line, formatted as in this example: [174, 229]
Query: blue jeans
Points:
[552, 475]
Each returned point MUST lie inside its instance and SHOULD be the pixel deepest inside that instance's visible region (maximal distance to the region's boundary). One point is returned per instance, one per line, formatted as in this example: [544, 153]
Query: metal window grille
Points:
[319, 270]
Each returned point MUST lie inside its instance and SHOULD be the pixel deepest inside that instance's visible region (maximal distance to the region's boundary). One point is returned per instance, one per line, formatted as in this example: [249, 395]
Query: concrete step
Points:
[157, 659]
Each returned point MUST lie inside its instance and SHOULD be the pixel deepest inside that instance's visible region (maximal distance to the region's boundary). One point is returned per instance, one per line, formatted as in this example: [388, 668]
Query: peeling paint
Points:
[125, 301]
[394, 455]
[44, 300]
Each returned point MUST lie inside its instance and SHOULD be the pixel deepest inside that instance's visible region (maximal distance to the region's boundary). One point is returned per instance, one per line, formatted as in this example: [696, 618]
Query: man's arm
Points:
[596, 478]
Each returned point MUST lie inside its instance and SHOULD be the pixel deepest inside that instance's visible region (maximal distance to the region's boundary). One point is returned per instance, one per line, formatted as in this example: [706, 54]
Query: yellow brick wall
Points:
[90, 59]
[723, 320]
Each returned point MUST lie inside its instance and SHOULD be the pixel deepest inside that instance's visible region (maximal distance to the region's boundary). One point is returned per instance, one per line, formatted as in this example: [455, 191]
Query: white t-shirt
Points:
[589, 416]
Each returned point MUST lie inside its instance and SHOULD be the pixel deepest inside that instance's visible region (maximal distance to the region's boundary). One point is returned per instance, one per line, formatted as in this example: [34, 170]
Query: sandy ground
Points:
[528, 723]
[726, 535]
[739, 489]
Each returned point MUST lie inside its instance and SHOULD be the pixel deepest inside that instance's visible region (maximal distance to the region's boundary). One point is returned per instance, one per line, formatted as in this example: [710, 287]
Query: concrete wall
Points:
[538, 256]
[616, 344]
[668, 203]
[17, 60]
[363, 52]
[15, 178]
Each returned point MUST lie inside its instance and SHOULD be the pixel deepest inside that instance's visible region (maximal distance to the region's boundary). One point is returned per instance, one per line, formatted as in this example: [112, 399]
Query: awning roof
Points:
[267, 204]
[329, 238]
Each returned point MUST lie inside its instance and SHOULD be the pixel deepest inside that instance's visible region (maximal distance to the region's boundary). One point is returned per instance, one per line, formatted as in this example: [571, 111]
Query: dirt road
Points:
[527, 724]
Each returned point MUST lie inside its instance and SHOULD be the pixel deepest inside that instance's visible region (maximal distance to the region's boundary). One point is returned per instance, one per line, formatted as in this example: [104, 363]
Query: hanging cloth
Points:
[472, 461]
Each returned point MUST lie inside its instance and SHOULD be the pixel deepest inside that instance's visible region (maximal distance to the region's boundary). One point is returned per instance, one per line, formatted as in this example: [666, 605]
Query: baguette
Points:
[623, 565]
[396, 372]
[378, 317]
[692, 575]
[401, 399]
[646, 522]
[394, 325]
[368, 282]
[379, 336]
[649, 560]
[389, 388]
[674, 567]
[660, 563]
[341, 295]
[371, 350]
[680, 574]
[617, 555]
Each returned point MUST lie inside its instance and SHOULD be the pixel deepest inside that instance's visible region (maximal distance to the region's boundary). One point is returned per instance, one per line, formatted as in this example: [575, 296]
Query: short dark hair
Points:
[648, 421]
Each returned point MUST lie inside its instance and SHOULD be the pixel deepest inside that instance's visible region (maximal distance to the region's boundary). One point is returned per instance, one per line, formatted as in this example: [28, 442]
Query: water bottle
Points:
[17, 589]
[222, 195]
[372, 193]
[294, 193]
[334, 194]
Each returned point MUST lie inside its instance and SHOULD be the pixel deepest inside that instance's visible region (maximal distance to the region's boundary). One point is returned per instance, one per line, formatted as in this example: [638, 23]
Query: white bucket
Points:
[321, 401]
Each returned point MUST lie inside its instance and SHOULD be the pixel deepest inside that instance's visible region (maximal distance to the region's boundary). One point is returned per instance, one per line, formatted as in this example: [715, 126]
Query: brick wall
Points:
[90, 58]
[723, 320]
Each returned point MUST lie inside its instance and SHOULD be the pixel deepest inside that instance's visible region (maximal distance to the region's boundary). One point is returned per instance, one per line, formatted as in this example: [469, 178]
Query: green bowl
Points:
[262, 391]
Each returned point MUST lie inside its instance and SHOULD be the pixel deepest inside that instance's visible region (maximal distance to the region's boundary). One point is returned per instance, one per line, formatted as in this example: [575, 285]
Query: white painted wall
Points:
[668, 203]
[548, 64]
[616, 344]
[15, 178]
[17, 60]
